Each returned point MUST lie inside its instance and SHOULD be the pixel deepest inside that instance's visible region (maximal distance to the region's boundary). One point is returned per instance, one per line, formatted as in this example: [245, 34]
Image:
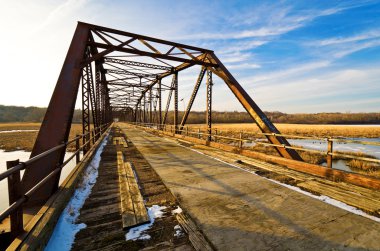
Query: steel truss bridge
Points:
[119, 74]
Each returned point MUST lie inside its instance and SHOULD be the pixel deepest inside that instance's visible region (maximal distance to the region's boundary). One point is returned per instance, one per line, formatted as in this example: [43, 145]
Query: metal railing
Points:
[241, 140]
[13, 174]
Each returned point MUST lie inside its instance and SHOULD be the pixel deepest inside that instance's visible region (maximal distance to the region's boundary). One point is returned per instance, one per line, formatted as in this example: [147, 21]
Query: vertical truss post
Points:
[176, 102]
[92, 94]
[97, 96]
[208, 104]
[192, 98]
[159, 103]
[85, 110]
[144, 109]
[135, 115]
[150, 106]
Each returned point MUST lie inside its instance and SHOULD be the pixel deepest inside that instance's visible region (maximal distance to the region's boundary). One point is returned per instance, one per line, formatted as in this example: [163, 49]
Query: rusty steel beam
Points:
[148, 54]
[168, 102]
[178, 68]
[262, 121]
[192, 98]
[56, 125]
[125, 72]
[176, 102]
[147, 38]
[86, 109]
[139, 64]
[150, 106]
[209, 104]
[159, 103]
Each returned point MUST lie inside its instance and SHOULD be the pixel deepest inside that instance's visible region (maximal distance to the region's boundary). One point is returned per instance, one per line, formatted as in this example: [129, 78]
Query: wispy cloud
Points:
[65, 9]
[334, 87]
[371, 34]
[271, 22]
[273, 77]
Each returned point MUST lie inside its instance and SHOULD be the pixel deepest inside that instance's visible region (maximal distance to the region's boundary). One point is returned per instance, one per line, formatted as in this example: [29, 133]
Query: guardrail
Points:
[17, 199]
[241, 140]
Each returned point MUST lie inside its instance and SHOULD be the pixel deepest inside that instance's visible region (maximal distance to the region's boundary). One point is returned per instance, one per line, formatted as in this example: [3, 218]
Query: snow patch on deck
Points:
[178, 210]
[137, 233]
[66, 228]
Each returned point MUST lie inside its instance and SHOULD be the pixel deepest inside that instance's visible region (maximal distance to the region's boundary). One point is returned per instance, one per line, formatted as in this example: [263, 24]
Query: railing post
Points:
[14, 191]
[93, 136]
[216, 135]
[240, 141]
[329, 153]
[199, 133]
[77, 146]
[187, 131]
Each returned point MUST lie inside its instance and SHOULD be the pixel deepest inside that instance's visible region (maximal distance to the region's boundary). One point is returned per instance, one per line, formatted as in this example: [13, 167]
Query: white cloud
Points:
[291, 72]
[341, 40]
[335, 88]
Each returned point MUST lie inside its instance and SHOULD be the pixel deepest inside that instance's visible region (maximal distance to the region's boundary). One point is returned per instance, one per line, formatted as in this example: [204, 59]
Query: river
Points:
[23, 156]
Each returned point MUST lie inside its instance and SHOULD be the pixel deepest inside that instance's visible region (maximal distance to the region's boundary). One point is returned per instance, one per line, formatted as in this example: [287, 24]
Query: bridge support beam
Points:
[176, 102]
[253, 110]
[209, 103]
[159, 103]
[56, 125]
[192, 98]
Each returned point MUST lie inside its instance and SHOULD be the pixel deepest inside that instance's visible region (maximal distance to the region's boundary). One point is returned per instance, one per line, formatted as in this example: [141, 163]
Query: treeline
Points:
[279, 117]
[36, 114]
[29, 114]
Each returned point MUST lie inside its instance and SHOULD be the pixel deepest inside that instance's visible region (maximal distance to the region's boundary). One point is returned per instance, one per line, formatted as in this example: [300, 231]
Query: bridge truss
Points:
[121, 74]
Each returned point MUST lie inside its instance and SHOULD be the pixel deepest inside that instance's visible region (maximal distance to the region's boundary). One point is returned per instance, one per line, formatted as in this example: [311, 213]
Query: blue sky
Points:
[291, 56]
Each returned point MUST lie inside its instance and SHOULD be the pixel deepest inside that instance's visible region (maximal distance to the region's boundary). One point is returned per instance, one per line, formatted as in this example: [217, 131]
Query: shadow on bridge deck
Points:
[238, 210]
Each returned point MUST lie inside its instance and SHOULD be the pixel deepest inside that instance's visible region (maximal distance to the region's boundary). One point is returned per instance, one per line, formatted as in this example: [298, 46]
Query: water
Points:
[23, 156]
[340, 146]
[321, 145]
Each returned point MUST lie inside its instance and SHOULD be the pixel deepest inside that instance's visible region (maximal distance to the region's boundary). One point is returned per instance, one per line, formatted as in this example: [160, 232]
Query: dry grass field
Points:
[12, 141]
[251, 130]
[367, 131]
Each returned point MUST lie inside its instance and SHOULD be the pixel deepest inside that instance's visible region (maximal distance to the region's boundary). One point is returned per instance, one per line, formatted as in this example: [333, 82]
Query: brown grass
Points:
[367, 131]
[19, 126]
[25, 140]
[251, 130]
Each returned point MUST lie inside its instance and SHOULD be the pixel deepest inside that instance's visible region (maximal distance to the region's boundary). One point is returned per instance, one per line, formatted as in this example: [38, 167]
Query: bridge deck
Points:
[238, 210]
[101, 211]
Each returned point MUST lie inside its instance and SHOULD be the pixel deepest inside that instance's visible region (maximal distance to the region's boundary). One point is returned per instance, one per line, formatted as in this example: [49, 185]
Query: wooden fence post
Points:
[329, 156]
[240, 141]
[77, 146]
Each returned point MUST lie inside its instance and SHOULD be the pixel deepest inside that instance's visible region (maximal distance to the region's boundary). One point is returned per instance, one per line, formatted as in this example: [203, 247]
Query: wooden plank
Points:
[126, 206]
[137, 199]
[371, 206]
[196, 238]
[119, 141]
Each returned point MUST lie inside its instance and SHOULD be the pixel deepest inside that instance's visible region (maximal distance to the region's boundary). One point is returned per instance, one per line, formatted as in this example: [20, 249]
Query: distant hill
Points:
[36, 114]
[28, 114]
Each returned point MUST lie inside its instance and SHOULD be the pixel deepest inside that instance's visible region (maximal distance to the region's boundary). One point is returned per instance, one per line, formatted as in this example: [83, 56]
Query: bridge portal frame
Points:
[101, 45]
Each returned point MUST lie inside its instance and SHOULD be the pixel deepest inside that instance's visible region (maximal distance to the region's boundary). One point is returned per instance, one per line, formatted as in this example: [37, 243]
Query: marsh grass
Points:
[25, 140]
[350, 131]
